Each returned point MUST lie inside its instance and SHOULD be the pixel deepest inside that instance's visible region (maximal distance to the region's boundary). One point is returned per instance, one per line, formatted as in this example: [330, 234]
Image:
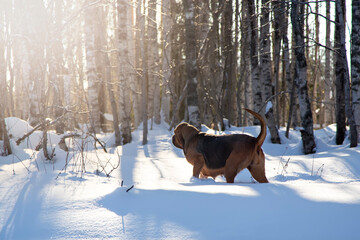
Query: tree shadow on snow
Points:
[274, 211]
[24, 217]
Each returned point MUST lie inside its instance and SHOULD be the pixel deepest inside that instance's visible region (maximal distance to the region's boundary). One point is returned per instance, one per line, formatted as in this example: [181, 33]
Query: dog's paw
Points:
[201, 180]
[195, 179]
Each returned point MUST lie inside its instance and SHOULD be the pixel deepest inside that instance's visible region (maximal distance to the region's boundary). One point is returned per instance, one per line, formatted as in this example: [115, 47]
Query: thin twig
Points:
[130, 188]
[322, 168]
[97, 140]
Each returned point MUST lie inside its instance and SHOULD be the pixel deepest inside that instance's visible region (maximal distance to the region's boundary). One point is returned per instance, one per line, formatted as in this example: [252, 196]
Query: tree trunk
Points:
[342, 78]
[191, 64]
[228, 55]
[101, 33]
[291, 85]
[132, 75]
[339, 84]
[109, 85]
[277, 37]
[46, 153]
[134, 86]
[245, 86]
[235, 68]
[3, 100]
[284, 62]
[137, 88]
[4, 135]
[177, 79]
[166, 59]
[153, 48]
[316, 73]
[25, 71]
[254, 53]
[203, 32]
[297, 19]
[144, 78]
[355, 62]
[91, 74]
[328, 83]
[215, 71]
[36, 88]
[56, 60]
[124, 79]
[265, 59]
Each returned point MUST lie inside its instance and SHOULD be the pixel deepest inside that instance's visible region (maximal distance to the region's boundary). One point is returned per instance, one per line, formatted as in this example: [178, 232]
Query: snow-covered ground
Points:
[309, 197]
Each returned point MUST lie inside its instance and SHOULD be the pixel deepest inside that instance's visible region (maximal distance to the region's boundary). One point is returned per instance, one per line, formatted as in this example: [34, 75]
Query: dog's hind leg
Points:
[230, 176]
[258, 173]
[234, 166]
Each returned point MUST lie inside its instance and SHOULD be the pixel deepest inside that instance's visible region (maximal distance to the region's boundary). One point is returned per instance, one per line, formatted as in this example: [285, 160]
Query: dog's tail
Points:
[261, 138]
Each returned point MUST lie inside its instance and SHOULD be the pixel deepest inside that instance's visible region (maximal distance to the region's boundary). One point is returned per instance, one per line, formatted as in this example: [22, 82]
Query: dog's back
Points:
[215, 149]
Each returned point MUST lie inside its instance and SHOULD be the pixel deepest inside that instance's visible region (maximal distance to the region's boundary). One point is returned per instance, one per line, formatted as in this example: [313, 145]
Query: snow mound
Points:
[17, 127]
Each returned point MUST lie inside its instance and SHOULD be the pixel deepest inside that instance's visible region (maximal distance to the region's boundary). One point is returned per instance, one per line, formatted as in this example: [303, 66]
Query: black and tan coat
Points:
[213, 155]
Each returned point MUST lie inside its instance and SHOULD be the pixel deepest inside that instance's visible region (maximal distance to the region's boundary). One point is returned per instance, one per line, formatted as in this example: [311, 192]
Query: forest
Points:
[116, 65]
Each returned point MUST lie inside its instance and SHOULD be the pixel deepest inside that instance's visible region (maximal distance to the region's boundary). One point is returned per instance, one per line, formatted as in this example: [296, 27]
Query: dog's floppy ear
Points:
[178, 139]
[178, 143]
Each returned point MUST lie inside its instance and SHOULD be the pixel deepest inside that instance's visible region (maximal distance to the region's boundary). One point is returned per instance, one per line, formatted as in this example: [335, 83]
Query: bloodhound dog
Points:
[213, 155]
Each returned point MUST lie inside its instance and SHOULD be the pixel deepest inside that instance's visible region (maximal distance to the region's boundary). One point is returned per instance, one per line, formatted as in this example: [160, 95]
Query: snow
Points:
[309, 196]
[18, 128]
[268, 106]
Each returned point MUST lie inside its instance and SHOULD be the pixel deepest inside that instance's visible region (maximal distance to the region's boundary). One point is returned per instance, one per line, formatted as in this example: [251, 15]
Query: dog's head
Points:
[182, 133]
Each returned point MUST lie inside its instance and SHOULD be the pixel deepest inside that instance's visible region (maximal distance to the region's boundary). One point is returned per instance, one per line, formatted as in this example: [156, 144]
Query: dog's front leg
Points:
[198, 165]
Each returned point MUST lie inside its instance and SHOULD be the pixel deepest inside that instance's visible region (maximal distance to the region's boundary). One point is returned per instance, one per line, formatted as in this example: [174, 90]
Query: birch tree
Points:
[291, 85]
[21, 57]
[100, 30]
[228, 73]
[138, 117]
[108, 78]
[91, 74]
[343, 98]
[3, 90]
[339, 88]
[328, 83]
[277, 38]
[154, 77]
[123, 58]
[109, 85]
[210, 64]
[38, 20]
[265, 61]
[191, 64]
[297, 20]
[166, 58]
[355, 62]
[214, 59]
[254, 48]
[6, 6]
[3, 133]
[56, 63]
[316, 71]
[132, 76]
[234, 108]
[202, 31]
[247, 85]
[144, 78]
